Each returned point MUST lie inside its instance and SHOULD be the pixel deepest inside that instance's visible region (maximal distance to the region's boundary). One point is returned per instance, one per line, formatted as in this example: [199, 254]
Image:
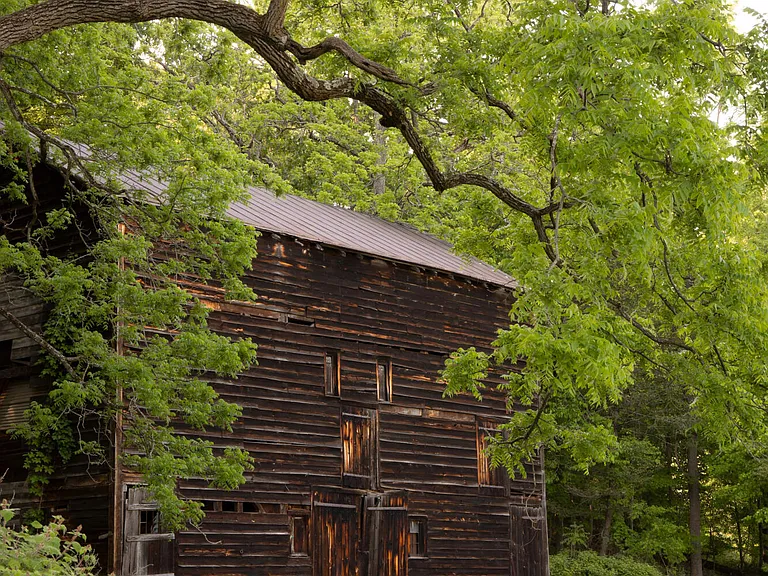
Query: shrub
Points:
[590, 564]
[48, 549]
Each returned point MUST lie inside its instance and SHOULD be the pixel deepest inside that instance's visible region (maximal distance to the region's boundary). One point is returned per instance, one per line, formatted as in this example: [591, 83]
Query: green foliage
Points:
[642, 300]
[590, 564]
[42, 549]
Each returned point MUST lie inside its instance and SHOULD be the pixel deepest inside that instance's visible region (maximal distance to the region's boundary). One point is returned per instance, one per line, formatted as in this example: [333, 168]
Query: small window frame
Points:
[488, 477]
[419, 536]
[384, 390]
[149, 522]
[300, 538]
[332, 373]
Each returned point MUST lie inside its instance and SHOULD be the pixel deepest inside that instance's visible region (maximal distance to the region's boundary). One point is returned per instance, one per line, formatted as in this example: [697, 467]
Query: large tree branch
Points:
[40, 341]
[265, 34]
[334, 44]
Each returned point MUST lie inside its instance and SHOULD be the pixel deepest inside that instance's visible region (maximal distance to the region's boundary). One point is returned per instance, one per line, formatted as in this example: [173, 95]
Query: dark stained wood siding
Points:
[313, 300]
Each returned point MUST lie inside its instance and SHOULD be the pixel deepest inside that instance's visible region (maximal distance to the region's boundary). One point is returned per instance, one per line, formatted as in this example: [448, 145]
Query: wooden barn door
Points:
[358, 447]
[528, 528]
[146, 549]
[386, 518]
[334, 533]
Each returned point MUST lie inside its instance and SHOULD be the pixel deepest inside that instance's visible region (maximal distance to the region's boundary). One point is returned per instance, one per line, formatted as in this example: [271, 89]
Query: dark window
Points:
[332, 374]
[149, 522]
[487, 475]
[6, 346]
[417, 536]
[250, 507]
[228, 506]
[300, 320]
[358, 447]
[209, 505]
[300, 535]
[384, 380]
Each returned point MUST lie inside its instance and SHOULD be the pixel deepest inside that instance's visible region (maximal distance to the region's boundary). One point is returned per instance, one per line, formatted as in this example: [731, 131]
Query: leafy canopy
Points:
[611, 158]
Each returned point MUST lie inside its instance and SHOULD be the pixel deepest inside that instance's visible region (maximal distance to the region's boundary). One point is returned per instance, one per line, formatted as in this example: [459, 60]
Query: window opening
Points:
[332, 374]
[417, 536]
[384, 380]
[299, 320]
[149, 522]
[250, 507]
[487, 475]
[228, 506]
[209, 505]
[6, 346]
[300, 535]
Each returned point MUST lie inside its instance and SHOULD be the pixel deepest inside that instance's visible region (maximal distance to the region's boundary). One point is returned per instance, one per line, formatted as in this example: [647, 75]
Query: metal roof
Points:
[335, 226]
[344, 228]
[358, 232]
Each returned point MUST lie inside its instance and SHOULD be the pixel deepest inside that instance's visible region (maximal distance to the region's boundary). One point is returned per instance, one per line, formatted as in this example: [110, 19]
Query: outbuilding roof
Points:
[359, 232]
[344, 228]
[336, 226]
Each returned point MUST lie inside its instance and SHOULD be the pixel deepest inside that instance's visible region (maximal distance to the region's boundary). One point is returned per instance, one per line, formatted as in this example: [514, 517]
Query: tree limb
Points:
[257, 31]
[40, 341]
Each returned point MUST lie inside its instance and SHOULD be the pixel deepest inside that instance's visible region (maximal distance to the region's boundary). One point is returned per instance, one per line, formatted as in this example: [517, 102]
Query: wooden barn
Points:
[362, 467]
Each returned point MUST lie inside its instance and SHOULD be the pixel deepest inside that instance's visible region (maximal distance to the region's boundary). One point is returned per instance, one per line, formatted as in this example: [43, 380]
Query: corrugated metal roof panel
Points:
[358, 232]
[347, 229]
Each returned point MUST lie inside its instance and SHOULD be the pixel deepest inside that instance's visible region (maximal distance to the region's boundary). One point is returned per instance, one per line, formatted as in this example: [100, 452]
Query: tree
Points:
[573, 145]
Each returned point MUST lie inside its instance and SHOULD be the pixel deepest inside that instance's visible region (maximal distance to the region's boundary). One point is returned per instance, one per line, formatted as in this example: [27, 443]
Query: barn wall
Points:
[313, 300]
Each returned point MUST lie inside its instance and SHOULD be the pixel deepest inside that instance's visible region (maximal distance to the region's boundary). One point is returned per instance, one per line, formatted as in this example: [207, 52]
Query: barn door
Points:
[528, 528]
[358, 447]
[386, 518]
[146, 549]
[334, 533]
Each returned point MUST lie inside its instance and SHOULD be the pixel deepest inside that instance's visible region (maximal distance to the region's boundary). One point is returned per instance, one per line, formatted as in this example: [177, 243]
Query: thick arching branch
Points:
[333, 44]
[267, 36]
[40, 341]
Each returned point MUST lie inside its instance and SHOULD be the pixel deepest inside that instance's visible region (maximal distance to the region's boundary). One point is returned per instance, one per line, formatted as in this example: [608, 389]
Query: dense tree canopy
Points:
[610, 156]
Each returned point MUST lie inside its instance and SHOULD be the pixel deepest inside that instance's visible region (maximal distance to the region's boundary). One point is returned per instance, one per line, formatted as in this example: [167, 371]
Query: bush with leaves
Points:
[49, 549]
[590, 564]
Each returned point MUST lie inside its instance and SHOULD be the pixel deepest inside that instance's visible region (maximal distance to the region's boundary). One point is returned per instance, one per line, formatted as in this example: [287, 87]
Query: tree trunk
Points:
[605, 536]
[694, 498]
[739, 541]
